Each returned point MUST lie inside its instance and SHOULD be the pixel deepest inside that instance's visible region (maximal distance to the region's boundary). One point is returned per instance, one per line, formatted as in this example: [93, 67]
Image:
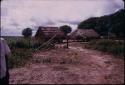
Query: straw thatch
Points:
[84, 34]
[49, 32]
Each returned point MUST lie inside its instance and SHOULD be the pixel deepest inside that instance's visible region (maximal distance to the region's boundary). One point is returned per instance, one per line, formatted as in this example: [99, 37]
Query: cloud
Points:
[76, 22]
[19, 14]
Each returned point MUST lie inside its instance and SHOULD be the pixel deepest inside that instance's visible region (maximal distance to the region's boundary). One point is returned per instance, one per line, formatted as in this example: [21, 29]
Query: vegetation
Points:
[66, 29]
[110, 46]
[20, 51]
[19, 57]
[113, 23]
[27, 32]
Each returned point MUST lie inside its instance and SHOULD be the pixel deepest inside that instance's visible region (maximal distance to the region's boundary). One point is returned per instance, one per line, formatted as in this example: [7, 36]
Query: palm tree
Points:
[66, 29]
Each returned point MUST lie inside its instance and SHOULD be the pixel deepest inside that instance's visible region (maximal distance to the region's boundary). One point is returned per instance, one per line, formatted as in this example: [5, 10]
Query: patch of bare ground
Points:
[75, 65]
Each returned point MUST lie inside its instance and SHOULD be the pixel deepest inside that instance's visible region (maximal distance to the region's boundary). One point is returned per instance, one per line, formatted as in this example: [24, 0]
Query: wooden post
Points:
[67, 41]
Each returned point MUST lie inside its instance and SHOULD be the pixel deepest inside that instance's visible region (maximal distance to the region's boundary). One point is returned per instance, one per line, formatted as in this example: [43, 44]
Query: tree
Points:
[66, 29]
[113, 23]
[88, 24]
[27, 32]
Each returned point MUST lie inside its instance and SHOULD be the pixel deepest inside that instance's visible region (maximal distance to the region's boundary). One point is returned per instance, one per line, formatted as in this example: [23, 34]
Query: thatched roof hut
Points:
[84, 33]
[49, 32]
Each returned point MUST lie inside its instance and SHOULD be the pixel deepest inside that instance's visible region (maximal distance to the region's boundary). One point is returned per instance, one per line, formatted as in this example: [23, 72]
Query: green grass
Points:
[110, 46]
[19, 57]
[21, 51]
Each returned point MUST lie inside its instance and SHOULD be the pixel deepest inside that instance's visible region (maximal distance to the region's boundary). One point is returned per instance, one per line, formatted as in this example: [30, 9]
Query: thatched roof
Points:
[85, 33]
[50, 31]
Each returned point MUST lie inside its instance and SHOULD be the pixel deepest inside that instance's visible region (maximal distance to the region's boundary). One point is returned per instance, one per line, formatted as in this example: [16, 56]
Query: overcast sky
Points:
[19, 14]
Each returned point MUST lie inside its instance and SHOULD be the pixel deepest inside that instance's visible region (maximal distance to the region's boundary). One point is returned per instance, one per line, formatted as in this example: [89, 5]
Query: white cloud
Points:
[19, 14]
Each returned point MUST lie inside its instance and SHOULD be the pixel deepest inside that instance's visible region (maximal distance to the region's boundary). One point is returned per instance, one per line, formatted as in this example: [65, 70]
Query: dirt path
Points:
[70, 66]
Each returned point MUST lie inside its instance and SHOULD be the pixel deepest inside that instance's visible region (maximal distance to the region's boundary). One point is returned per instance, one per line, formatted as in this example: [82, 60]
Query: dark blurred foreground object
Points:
[4, 53]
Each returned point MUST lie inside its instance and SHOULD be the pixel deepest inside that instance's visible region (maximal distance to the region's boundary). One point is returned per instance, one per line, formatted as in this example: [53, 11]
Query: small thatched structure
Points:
[48, 32]
[81, 34]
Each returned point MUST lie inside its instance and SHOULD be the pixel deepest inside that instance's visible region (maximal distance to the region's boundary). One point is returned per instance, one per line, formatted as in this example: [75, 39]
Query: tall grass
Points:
[21, 51]
[19, 57]
[110, 46]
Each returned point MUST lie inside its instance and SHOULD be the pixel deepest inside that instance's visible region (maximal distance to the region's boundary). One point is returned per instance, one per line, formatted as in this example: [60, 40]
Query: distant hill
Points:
[113, 23]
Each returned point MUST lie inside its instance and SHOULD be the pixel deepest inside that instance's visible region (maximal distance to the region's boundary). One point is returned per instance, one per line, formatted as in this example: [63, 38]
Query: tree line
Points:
[113, 23]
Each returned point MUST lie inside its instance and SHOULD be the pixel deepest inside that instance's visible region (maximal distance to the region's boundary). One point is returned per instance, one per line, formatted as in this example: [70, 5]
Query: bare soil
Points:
[75, 65]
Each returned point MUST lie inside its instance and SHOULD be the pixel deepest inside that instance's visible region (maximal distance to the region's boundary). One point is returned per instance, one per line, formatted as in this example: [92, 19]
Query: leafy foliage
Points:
[27, 32]
[66, 29]
[113, 23]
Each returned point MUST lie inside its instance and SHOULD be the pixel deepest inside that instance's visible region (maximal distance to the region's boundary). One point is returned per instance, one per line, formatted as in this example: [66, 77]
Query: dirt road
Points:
[75, 65]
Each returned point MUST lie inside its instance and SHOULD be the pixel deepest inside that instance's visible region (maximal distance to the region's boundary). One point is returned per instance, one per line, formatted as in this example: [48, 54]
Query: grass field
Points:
[114, 47]
[21, 51]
